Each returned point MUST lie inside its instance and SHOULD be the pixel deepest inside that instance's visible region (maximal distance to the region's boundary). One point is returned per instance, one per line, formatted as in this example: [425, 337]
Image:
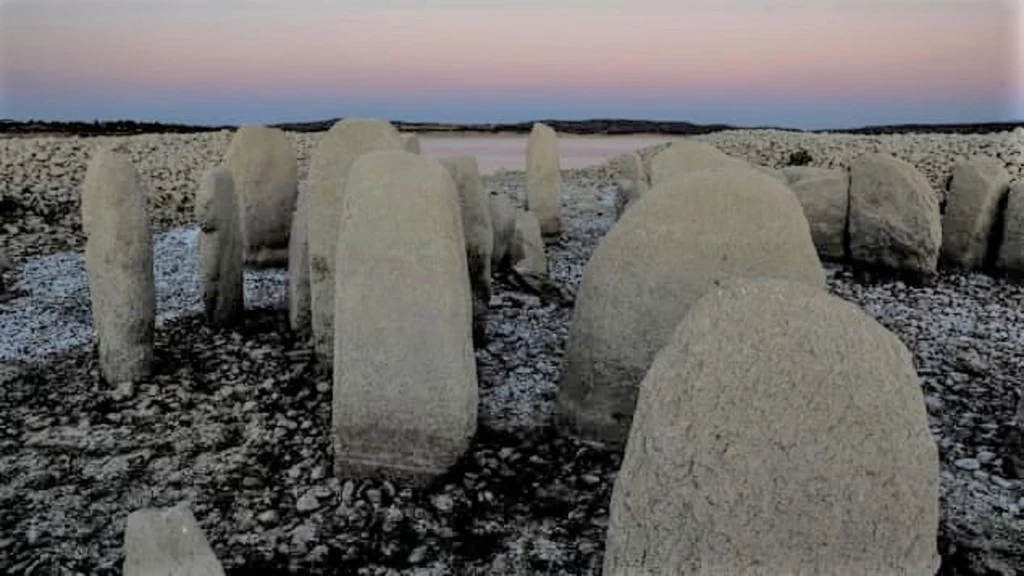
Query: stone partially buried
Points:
[167, 542]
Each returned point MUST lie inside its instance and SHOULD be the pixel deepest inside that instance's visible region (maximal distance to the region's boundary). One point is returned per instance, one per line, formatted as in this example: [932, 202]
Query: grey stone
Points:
[221, 248]
[167, 542]
[976, 192]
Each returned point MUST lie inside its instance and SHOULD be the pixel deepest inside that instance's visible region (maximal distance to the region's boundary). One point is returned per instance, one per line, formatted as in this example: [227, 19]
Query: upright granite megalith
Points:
[265, 173]
[544, 179]
[167, 542]
[405, 388]
[681, 239]
[976, 194]
[781, 430]
[688, 155]
[475, 209]
[298, 265]
[328, 173]
[221, 265]
[119, 264]
[630, 183]
[503, 221]
[824, 194]
[529, 261]
[1011, 250]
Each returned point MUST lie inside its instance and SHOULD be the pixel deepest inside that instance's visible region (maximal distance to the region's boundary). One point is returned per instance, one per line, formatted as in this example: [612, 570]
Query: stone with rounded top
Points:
[544, 179]
[529, 261]
[631, 182]
[411, 143]
[503, 222]
[688, 155]
[221, 248]
[973, 208]
[825, 196]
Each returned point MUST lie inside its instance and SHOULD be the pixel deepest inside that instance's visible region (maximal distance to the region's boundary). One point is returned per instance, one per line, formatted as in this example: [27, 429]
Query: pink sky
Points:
[854, 50]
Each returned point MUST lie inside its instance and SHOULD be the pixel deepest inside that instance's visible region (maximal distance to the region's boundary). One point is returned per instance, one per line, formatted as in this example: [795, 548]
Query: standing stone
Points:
[298, 265]
[265, 172]
[780, 431]
[119, 263]
[503, 221]
[681, 239]
[328, 172]
[405, 389]
[631, 182]
[167, 542]
[976, 193]
[529, 263]
[221, 265]
[689, 155]
[411, 143]
[825, 196]
[544, 179]
[894, 215]
[476, 225]
[1011, 251]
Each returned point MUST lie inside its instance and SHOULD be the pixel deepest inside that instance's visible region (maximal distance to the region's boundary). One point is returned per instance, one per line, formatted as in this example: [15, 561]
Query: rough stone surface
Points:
[405, 388]
[479, 234]
[5, 266]
[119, 263]
[682, 238]
[687, 155]
[530, 263]
[1011, 250]
[825, 196]
[167, 542]
[411, 143]
[265, 172]
[631, 183]
[221, 248]
[298, 265]
[328, 172]
[544, 179]
[973, 207]
[780, 431]
[503, 223]
[894, 217]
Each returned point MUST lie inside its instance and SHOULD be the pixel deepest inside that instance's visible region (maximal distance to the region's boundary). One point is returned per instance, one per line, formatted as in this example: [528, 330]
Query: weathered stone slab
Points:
[298, 265]
[976, 193]
[167, 542]
[221, 248]
[544, 179]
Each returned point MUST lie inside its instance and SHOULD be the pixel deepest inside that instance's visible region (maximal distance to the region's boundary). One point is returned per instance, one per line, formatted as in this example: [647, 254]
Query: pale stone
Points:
[298, 265]
[503, 222]
[894, 219]
[1011, 250]
[167, 542]
[686, 156]
[529, 262]
[265, 173]
[328, 173]
[119, 264]
[544, 179]
[976, 193]
[825, 197]
[475, 209]
[405, 388]
[780, 431]
[681, 239]
[631, 182]
[221, 248]
[411, 143]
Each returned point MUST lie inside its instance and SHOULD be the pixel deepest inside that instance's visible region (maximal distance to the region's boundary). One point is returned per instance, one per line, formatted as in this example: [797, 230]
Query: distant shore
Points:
[597, 127]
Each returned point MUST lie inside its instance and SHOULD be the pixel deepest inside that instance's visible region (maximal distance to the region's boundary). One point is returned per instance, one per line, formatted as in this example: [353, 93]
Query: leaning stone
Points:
[221, 266]
[479, 235]
[1011, 251]
[405, 389]
[119, 264]
[265, 172]
[780, 431]
[894, 217]
[825, 196]
[411, 143]
[328, 173]
[298, 265]
[631, 182]
[689, 155]
[167, 542]
[681, 239]
[530, 263]
[973, 205]
[544, 179]
[503, 222]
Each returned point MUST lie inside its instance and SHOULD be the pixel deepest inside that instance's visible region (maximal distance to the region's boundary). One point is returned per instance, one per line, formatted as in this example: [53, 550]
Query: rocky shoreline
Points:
[237, 422]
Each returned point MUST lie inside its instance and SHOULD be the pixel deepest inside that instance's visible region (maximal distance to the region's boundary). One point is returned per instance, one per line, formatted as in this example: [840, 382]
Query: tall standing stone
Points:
[221, 265]
[780, 431]
[976, 193]
[265, 172]
[681, 239]
[119, 264]
[503, 221]
[479, 235]
[529, 261]
[687, 156]
[825, 196]
[544, 179]
[894, 215]
[1011, 250]
[167, 542]
[631, 182]
[411, 143]
[328, 173]
[298, 265]
[405, 389]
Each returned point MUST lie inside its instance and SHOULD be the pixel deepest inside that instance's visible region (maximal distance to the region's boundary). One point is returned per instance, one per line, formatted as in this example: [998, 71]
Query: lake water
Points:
[509, 152]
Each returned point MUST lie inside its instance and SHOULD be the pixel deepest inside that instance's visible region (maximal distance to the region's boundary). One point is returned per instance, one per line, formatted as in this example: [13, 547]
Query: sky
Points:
[793, 63]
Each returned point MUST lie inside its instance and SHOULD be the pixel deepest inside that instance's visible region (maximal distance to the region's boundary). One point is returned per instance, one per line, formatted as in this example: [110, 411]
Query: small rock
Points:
[443, 503]
[969, 464]
[418, 555]
[267, 517]
[307, 503]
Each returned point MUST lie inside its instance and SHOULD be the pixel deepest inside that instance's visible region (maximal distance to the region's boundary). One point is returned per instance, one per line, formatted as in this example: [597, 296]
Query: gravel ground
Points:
[236, 423]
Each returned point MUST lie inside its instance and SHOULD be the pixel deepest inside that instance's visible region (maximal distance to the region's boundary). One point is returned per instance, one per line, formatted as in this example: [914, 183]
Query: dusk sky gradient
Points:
[795, 63]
